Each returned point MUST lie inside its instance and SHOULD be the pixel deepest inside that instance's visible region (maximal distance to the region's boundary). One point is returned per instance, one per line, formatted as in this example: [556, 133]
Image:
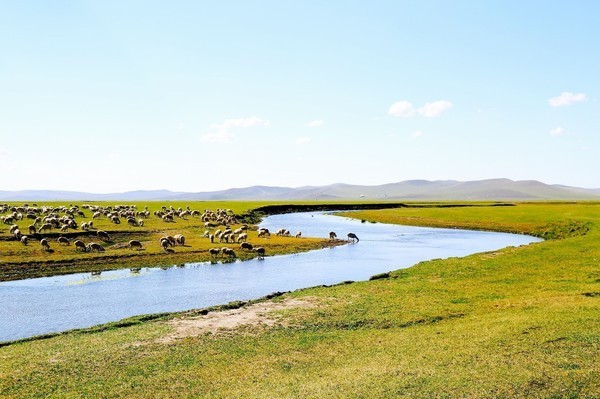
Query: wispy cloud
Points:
[557, 131]
[405, 109]
[417, 133]
[402, 109]
[221, 132]
[315, 123]
[434, 109]
[566, 98]
[303, 140]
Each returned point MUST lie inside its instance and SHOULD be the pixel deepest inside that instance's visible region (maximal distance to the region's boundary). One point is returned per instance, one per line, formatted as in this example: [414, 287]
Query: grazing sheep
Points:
[115, 220]
[96, 215]
[80, 246]
[353, 237]
[172, 240]
[242, 237]
[179, 239]
[264, 233]
[103, 235]
[246, 246]
[44, 244]
[298, 234]
[64, 228]
[165, 244]
[45, 227]
[84, 226]
[32, 229]
[140, 222]
[13, 228]
[238, 231]
[260, 251]
[17, 234]
[94, 246]
[24, 240]
[280, 232]
[63, 240]
[136, 244]
[214, 251]
[332, 235]
[228, 251]
[132, 222]
[206, 234]
[8, 219]
[212, 238]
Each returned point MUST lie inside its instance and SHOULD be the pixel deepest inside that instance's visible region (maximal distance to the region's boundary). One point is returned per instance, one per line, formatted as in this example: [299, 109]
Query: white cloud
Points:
[222, 131]
[315, 123]
[431, 110]
[557, 131]
[567, 98]
[402, 109]
[303, 140]
[3, 151]
[417, 133]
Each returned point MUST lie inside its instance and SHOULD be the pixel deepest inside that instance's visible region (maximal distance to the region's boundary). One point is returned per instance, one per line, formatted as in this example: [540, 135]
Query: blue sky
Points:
[109, 96]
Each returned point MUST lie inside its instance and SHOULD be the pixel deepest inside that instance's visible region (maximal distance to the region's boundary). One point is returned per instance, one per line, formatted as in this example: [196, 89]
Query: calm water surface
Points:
[50, 304]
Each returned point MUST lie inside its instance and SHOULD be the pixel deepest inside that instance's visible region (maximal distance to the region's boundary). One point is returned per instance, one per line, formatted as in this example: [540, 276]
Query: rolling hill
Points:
[491, 189]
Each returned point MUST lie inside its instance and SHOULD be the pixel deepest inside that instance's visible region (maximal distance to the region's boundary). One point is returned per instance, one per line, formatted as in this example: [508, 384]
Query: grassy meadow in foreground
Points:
[517, 322]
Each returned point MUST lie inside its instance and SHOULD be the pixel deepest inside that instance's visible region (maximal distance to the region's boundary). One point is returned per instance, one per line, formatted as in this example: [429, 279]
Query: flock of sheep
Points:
[44, 219]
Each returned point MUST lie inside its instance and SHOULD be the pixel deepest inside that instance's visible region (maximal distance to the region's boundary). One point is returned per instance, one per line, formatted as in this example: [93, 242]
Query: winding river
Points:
[51, 304]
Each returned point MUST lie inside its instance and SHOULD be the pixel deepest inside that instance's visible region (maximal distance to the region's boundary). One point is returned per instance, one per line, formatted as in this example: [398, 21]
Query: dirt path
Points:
[259, 314]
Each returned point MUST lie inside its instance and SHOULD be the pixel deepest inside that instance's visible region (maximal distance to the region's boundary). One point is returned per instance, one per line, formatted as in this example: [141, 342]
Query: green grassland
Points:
[517, 322]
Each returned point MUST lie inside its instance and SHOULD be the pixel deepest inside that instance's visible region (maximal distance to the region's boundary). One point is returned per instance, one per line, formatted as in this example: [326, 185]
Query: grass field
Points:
[518, 322]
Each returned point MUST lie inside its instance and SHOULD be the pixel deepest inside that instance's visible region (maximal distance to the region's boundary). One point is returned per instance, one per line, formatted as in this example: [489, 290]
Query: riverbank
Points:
[519, 322]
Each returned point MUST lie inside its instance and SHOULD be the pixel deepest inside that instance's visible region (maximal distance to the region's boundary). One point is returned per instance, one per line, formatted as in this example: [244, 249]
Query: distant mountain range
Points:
[492, 189]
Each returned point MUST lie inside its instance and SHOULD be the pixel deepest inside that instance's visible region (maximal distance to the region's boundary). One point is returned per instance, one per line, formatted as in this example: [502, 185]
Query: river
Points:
[51, 304]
